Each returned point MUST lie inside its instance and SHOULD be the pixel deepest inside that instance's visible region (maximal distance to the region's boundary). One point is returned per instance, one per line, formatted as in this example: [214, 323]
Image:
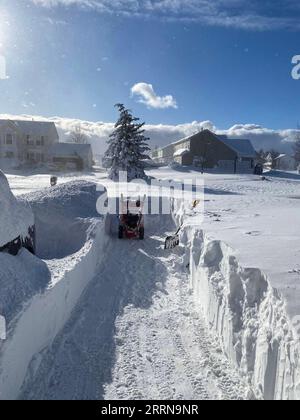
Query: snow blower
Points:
[131, 219]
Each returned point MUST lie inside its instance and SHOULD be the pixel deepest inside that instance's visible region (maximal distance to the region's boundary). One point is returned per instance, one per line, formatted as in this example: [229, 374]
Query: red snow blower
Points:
[131, 219]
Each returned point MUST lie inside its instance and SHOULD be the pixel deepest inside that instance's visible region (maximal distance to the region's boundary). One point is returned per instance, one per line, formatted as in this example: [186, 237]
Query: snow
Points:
[135, 334]
[244, 263]
[243, 147]
[63, 215]
[21, 277]
[158, 324]
[259, 219]
[181, 152]
[15, 215]
[41, 295]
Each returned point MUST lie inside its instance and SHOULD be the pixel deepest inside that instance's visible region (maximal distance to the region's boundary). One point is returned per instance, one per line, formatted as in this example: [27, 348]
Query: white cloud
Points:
[147, 96]
[244, 14]
[161, 134]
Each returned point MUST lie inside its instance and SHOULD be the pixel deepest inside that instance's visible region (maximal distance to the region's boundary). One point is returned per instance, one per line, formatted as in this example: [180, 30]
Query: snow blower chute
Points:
[131, 219]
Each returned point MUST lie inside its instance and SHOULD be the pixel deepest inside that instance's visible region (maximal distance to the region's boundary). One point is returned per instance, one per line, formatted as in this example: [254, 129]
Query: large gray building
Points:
[210, 151]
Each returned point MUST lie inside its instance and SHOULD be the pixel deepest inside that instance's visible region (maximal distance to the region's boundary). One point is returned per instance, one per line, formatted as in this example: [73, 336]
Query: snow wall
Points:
[247, 314]
[45, 313]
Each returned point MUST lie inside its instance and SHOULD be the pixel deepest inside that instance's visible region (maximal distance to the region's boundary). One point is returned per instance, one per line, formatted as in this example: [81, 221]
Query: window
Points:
[9, 155]
[41, 141]
[29, 140]
[30, 156]
[9, 139]
[39, 157]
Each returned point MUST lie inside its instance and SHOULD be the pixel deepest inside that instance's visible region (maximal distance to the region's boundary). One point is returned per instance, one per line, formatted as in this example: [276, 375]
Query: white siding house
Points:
[28, 142]
[285, 163]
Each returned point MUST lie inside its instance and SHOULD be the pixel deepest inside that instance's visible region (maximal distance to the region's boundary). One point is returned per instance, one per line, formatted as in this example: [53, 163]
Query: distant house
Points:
[211, 151]
[26, 141]
[285, 163]
[72, 156]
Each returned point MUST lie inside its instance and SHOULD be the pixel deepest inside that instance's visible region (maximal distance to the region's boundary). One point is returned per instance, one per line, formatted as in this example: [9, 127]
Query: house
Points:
[72, 156]
[210, 151]
[285, 163]
[26, 142]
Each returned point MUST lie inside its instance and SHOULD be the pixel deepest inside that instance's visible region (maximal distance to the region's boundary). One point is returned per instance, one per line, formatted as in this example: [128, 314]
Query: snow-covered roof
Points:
[33, 128]
[71, 150]
[283, 155]
[181, 152]
[15, 215]
[242, 147]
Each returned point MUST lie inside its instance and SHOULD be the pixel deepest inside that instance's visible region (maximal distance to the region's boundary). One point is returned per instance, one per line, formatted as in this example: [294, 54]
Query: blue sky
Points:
[224, 61]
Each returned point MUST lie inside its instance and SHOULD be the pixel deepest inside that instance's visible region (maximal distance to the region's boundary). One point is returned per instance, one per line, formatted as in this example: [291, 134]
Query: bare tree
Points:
[77, 136]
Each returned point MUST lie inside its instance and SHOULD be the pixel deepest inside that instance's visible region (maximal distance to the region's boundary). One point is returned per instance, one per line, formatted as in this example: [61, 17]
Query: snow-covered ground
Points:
[260, 220]
[245, 275]
[141, 327]
[135, 334]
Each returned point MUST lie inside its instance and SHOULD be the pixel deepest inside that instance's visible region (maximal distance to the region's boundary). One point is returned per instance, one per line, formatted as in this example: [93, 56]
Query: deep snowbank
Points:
[21, 277]
[62, 217]
[247, 314]
[45, 314]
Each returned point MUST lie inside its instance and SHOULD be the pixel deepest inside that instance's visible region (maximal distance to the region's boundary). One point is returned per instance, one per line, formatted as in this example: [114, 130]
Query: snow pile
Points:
[248, 315]
[62, 217]
[15, 215]
[52, 289]
[21, 277]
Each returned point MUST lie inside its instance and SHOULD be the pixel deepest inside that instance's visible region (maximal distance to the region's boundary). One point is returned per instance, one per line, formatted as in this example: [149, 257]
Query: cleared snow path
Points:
[135, 334]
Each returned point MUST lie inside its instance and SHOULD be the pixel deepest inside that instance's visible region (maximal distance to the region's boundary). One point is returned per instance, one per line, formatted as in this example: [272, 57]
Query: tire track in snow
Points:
[177, 347]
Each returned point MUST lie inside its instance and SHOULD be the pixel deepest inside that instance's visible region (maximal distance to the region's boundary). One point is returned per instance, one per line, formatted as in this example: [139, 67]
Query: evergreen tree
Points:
[127, 147]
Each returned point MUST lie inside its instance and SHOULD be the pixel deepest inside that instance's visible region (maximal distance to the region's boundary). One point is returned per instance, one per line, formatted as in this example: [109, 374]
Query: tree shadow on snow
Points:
[281, 174]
